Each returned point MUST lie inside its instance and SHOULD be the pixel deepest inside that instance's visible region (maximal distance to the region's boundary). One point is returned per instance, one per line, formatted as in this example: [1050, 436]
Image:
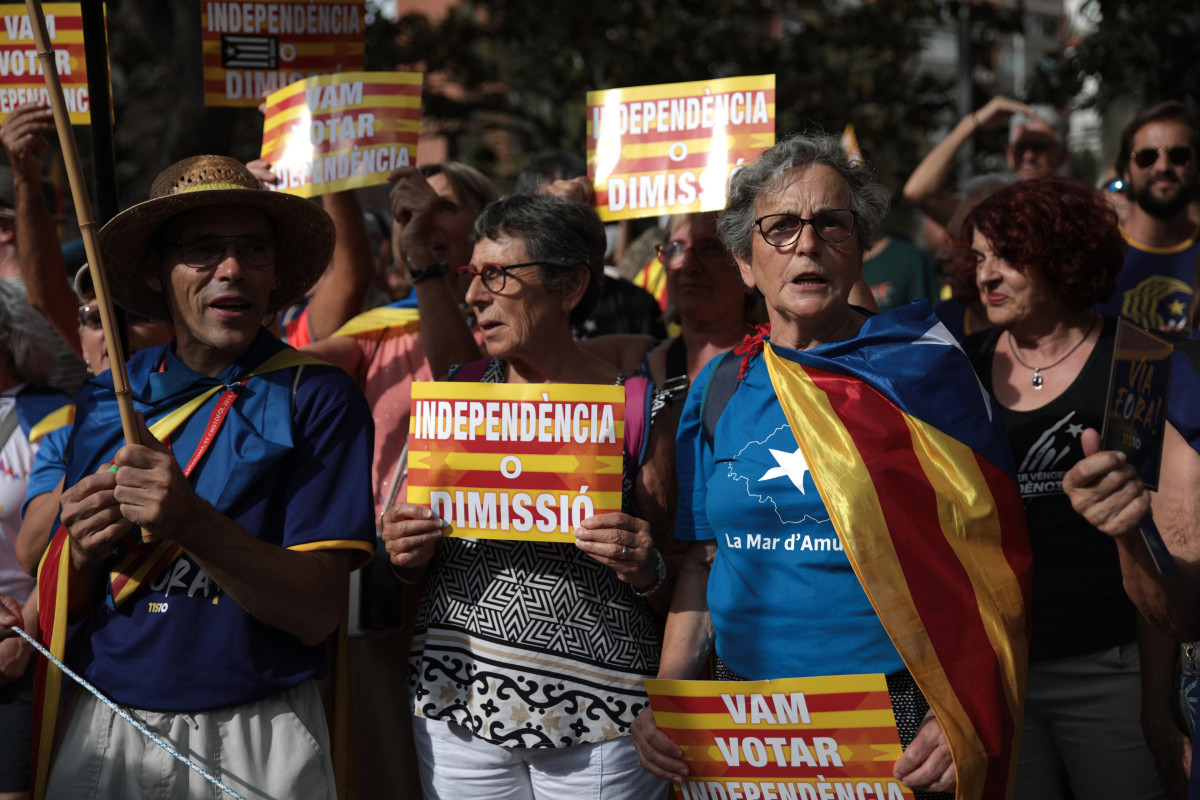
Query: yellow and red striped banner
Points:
[525, 462]
[21, 79]
[796, 737]
[254, 48]
[670, 148]
[338, 132]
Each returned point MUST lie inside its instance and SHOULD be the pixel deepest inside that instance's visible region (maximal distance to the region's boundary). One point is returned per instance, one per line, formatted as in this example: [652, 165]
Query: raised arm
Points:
[414, 204]
[340, 292]
[926, 187]
[23, 135]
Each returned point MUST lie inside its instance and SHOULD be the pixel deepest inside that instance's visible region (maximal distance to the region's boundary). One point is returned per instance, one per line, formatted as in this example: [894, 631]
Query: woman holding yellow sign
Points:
[529, 656]
[848, 493]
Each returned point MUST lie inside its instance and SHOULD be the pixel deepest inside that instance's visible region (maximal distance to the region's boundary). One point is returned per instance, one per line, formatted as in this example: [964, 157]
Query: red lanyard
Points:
[215, 420]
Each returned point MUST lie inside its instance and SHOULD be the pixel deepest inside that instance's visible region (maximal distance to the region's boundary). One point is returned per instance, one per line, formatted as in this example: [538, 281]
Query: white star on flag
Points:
[792, 465]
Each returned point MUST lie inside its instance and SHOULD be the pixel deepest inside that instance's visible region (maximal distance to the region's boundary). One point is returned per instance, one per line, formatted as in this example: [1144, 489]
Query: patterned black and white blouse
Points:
[532, 644]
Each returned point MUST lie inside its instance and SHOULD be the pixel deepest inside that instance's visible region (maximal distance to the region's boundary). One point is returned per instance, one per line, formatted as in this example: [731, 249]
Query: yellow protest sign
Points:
[516, 461]
[670, 148]
[809, 738]
[21, 79]
[336, 132]
[254, 48]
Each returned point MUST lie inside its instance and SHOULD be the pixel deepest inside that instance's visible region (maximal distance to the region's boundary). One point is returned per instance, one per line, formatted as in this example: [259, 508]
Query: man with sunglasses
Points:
[1158, 161]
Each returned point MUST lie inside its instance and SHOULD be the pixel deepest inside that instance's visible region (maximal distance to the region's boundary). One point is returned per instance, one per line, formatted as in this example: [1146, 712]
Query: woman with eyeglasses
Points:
[814, 537]
[1044, 253]
[713, 308]
[712, 305]
[528, 657]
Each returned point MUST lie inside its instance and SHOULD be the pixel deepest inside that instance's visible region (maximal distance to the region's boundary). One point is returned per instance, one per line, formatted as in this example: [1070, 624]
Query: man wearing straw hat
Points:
[251, 488]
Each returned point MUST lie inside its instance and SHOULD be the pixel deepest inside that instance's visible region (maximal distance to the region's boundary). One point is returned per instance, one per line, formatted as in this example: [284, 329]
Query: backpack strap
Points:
[722, 382]
[470, 372]
[638, 399]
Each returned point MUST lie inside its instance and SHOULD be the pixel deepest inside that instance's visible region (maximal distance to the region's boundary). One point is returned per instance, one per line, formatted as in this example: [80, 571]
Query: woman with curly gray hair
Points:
[797, 465]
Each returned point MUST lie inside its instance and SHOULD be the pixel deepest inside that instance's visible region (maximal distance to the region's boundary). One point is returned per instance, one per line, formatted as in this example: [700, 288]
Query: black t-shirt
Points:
[1079, 601]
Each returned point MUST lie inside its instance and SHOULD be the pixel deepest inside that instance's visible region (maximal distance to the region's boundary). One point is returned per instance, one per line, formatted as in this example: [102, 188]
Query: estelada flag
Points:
[910, 457]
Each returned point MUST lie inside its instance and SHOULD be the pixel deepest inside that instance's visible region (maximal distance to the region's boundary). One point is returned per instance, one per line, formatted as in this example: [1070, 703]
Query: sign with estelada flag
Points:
[21, 78]
[796, 737]
[525, 462]
[336, 132]
[254, 48]
[670, 148]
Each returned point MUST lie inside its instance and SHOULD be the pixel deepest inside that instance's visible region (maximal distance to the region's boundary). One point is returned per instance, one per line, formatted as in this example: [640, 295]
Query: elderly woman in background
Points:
[1045, 252]
[713, 307]
[28, 411]
[812, 416]
[503, 708]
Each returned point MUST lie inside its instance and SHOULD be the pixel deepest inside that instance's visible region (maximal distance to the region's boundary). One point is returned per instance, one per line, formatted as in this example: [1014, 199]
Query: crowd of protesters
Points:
[248, 581]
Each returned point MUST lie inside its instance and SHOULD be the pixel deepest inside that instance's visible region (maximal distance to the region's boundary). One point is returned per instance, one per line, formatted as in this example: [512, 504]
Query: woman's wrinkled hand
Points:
[410, 534]
[1105, 489]
[622, 542]
[659, 754]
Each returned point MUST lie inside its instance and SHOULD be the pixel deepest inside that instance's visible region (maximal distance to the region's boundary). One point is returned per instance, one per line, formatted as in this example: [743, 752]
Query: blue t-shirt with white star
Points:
[783, 598]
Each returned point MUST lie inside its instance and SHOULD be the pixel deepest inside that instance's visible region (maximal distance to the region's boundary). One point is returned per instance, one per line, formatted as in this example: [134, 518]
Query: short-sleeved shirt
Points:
[900, 274]
[782, 595]
[1154, 286]
[49, 465]
[291, 470]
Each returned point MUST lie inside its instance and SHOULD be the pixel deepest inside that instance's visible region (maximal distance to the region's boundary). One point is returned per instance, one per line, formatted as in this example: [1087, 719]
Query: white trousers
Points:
[455, 765]
[275, 749]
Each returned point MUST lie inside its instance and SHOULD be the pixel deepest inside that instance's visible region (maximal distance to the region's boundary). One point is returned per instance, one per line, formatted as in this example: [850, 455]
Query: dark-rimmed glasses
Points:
[709, 251]
[208, 250]
[1179, 155]
[493, 276]
[781, 230]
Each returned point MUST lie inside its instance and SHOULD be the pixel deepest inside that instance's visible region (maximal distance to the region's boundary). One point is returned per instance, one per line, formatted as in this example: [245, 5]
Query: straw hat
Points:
[303, 230]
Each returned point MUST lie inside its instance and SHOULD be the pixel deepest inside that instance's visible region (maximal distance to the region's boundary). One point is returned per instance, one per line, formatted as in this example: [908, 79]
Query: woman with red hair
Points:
[1044, 253]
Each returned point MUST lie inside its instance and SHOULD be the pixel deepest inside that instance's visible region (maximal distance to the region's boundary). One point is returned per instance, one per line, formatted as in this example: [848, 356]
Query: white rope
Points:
[127, 716]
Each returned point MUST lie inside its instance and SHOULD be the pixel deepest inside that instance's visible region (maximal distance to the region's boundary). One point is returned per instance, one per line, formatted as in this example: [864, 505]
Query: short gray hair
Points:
[27, 336]
[554, 231]
[1047, 115]
[768, 174]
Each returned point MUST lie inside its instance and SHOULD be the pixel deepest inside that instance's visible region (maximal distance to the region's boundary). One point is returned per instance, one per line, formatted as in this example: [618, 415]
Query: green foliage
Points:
[1149, 52]
[505, 66]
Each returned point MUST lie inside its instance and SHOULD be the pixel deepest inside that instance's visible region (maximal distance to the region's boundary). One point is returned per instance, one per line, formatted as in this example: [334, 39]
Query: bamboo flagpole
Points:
[87, 224]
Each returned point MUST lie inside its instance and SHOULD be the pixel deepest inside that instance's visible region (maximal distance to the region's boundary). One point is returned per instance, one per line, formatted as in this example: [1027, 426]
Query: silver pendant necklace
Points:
[1038, 380]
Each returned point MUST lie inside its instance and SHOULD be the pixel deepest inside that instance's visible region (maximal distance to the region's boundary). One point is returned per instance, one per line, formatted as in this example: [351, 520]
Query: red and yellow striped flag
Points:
[914, 471]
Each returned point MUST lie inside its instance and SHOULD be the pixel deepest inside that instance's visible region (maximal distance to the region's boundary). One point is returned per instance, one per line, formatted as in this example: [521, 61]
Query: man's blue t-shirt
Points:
[180, 643]
[1183, 398]
[1154, 286]
[783, 598]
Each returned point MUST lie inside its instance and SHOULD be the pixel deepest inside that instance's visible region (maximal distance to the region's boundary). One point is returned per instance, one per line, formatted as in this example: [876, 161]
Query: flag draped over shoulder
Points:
[907, 452]
[256, 433]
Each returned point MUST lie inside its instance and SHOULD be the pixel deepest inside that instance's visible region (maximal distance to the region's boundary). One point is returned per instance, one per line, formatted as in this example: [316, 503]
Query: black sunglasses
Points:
[1145, 158]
